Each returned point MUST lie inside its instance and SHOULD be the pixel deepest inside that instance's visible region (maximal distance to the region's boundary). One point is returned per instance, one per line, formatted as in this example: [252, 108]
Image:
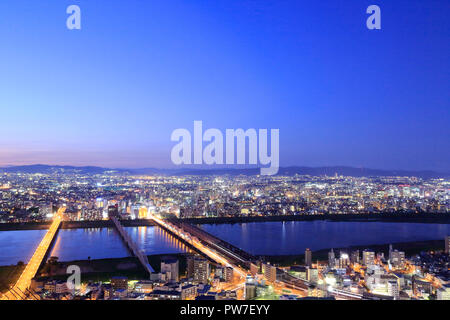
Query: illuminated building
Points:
[308, 258]
[119, 283]
[170, 266]
[198, 269]
[397, 259]
[250, 291]
[368, 257]
[331, 259]
[443, 293]
[447, 245]
[354, 257]
[143, 213]
[312, 275]
[228, 274]
[270, 272]
[144, 286]
[344, 260]
[254, 269]
[393, 289]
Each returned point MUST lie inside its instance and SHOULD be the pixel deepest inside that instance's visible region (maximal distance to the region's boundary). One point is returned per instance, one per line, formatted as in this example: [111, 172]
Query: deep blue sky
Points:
[112, 93]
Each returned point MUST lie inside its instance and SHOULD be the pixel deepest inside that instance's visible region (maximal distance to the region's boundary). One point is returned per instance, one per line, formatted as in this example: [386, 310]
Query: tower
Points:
[308, 258]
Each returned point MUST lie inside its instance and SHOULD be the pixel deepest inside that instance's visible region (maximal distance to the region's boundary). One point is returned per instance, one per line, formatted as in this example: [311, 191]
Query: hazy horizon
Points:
[217, 167]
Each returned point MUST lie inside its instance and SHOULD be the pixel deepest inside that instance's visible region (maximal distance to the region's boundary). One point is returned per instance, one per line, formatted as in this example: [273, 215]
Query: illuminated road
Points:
[211, 253]
[199, 246]
[19, 290]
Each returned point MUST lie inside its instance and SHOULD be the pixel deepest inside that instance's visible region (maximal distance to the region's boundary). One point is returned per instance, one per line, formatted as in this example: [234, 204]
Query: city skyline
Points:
[244, 152]
[229, 237]
[111, 93]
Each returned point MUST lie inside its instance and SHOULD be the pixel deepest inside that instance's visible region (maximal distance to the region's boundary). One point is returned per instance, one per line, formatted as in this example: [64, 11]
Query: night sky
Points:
[111, 93]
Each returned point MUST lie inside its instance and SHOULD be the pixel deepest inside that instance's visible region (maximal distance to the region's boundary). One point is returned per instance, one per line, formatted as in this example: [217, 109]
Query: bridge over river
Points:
[21, 289]
[214, 248]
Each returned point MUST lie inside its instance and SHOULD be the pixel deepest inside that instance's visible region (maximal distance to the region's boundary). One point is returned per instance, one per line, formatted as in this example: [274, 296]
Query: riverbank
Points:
[443, 218]
[410, 248]
[75, 224]
[93, 270]
[103, 269]
[9, 276]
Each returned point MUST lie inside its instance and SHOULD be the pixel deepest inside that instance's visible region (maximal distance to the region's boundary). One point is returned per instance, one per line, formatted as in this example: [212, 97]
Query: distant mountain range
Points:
[288, 171]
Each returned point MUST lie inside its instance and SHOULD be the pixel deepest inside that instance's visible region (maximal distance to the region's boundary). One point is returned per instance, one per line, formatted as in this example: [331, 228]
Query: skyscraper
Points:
[270, 272]
[447, 244]
[354, 257]
[331, 259]
[368, 257]
[308, 258]
[250, 291]
[170, 266]
[393, 289]
[198, 269]
[228, 274]
[344, 260]
[312, 275]
[397, 258]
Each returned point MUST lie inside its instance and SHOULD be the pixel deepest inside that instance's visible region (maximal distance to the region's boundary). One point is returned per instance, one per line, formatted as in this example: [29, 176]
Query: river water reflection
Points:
[265, 238]
[293, 237]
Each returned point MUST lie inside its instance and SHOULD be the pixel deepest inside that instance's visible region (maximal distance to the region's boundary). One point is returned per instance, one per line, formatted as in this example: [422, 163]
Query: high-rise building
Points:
[143, 212]
[113, 211]
[254, 269]
[308, 258]
[228, 274]
[331, 259]
[354, 257]
[443, 293]
[368, 257]
[225, 273]
[447, 245]
[170, 266]
[250, 291]
[270, 272]
[393, 289]
[119, 283]
[190, 267]
[312, 275]
[198, 269]
[397, 258]
[344, 260]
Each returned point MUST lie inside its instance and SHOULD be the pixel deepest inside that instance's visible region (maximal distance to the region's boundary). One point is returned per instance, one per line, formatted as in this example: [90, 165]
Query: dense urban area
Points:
[35, 197]
[214, 269]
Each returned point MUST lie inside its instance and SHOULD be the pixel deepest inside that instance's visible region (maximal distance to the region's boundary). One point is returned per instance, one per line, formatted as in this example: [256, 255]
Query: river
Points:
[263, 238]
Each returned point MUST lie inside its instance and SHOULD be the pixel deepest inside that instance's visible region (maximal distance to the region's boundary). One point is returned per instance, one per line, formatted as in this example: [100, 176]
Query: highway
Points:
[20, 290]
[214, 251]
[224, 260]
[196, 243]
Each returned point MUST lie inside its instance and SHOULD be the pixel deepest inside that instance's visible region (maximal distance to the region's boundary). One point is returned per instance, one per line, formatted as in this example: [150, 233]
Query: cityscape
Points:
[211, 268]
[226, 158]
[32, 197]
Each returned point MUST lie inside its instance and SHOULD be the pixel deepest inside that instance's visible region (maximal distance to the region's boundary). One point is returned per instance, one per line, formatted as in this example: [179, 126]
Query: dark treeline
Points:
[386, 217]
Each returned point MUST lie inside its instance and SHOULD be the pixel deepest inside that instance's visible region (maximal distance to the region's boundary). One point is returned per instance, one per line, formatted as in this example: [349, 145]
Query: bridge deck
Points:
[20, 289]
[226, 248]
[132, 246]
